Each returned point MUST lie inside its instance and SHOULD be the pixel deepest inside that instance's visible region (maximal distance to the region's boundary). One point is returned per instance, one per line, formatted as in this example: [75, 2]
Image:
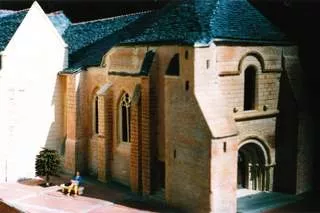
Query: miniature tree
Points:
[47, 164]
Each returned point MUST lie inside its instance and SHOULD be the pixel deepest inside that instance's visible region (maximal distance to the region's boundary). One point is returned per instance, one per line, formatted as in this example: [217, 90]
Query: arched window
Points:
[174, 66]
[252, 170]
[124, 118]
[96, 115]
[249, 88]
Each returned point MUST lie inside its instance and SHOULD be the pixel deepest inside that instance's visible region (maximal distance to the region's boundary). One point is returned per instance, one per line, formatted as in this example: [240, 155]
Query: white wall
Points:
[31, 98]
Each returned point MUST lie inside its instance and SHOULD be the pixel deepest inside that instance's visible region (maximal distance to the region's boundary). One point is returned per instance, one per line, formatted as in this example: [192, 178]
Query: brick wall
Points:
[103, 154]
[164, 54]
[183, 120]
[223, 174]
[135, 138]
[231, 63]
[260, 123]
[105, 134]
[76, 154]
[223, 141]
[305, 154]
[70, 159]
[109, 133]
[120, 163]
[146, 141]
[295, 141]
[56, 133]
[263, 129]
[286, 139]
[187, 141]
[93, 155]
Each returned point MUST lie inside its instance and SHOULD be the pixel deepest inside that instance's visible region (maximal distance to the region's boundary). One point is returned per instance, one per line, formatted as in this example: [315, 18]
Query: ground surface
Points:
[4, 208]
[31, 196]
[309, 203]
[271, 202]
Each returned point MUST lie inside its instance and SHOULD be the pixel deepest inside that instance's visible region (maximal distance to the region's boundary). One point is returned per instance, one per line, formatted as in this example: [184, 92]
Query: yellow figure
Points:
[75, 182]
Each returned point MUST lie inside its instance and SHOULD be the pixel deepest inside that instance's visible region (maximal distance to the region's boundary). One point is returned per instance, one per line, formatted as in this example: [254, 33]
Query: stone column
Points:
[223, 181]
[145, 131]
[102, 140]
[71, 113]
[135, 147]
[105, 134]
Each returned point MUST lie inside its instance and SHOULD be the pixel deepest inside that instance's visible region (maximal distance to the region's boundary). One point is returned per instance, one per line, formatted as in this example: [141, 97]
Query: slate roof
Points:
[60, 21]
[201, 21]
[9, 25]
[84, 39]
[82, 34]
[4, 12]
[190, 22]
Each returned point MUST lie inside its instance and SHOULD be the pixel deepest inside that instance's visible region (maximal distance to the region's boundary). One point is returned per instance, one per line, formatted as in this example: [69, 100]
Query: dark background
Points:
[85, 10]
[298, 18]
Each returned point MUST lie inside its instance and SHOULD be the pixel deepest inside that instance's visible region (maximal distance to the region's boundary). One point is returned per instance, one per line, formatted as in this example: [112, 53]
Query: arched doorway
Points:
[252, 170]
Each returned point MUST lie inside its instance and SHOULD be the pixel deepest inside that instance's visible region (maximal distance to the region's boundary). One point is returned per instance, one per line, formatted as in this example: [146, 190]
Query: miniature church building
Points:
[182, 100]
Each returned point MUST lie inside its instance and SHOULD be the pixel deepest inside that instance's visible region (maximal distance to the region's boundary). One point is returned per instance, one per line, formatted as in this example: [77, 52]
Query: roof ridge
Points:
[55, 12]
[17, 12]
[8, 10]
[113, 17]
[22, 10]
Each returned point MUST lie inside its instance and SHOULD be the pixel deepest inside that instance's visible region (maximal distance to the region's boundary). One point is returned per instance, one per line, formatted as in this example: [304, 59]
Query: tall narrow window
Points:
[174, 66]
[0, 61]
[249, 88]
[124, 116]
[96, 115]
[186, 54]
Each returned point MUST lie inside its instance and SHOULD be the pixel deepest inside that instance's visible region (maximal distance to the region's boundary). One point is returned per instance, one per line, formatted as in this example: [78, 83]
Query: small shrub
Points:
[47, 164]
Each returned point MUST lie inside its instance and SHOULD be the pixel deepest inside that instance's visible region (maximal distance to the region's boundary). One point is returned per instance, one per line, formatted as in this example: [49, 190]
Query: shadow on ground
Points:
[273, 202]
[111, 192]
[8, 209]
[308, 203]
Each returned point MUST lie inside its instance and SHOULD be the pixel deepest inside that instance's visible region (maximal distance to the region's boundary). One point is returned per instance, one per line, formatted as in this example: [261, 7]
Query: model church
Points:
[192, 100]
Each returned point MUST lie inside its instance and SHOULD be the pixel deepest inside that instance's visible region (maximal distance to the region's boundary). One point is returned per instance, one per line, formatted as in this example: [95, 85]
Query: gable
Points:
[36, 25]
[10, 21]
[36, 45]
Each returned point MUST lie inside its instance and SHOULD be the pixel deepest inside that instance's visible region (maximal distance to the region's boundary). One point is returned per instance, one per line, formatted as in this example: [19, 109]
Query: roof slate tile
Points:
[9, 25]
[189, 22]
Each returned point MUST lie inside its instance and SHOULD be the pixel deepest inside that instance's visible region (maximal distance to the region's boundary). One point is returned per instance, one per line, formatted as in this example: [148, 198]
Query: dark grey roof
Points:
[84, 39]
[60, 21]
[201, 21]
[4, 12]
[82, 34]
[178, 22]
[191, 22]
[9, 25]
